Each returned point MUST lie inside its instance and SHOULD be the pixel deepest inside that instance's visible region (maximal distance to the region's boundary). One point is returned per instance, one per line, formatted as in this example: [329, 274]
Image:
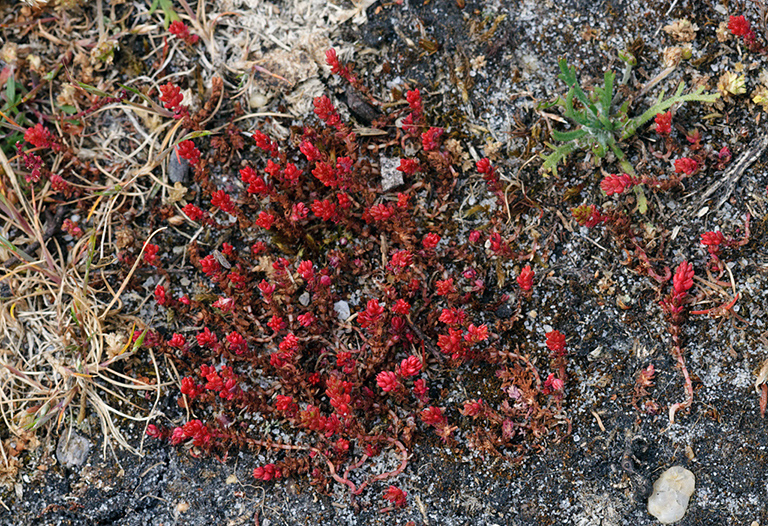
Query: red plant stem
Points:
[355, 465]
[394, 473]
[660, 278]
[722, 309]
[674, 408]
[356, 490]
[745, 239]
[341, 480]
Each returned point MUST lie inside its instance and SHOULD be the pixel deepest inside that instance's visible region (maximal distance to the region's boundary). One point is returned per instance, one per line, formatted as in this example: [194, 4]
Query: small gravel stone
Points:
[342, 309]
[72, 449]
[671, 493]
[178, 169]
[504, 312]
[390, 177]
[304, 299]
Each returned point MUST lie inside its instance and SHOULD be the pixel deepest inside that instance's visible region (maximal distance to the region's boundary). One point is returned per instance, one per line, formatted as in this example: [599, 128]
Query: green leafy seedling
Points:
[599, 122]
[166, 6]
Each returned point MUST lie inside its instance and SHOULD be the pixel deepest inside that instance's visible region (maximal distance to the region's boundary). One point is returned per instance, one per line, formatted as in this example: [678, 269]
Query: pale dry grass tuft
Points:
[65, 333]
[59, 345]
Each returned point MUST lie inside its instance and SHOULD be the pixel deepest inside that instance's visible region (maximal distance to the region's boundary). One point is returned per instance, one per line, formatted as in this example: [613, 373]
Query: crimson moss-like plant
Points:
[337, 308]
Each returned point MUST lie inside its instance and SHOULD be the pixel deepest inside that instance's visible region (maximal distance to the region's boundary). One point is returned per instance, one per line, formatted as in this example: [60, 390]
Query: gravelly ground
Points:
[602, 474]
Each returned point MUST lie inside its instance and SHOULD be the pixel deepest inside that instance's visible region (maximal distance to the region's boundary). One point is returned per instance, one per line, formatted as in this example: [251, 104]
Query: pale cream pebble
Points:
[671, 493]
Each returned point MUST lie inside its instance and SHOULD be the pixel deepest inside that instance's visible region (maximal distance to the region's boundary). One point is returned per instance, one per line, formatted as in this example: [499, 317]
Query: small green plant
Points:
[166, 6]
[598, 124]
[10, 115]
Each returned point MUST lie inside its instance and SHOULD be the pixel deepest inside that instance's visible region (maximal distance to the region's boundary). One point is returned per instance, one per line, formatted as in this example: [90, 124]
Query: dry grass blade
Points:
[66, 349]
[58, 356]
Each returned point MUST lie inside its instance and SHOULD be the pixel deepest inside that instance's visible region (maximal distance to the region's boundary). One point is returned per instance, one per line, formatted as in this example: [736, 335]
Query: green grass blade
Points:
[569, 135]
[558, 154]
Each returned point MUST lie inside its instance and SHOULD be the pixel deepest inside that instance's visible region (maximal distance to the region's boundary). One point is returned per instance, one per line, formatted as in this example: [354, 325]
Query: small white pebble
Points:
[258, 100]
[304, 299]
[671, 493]
[390, 177]
[342, 310]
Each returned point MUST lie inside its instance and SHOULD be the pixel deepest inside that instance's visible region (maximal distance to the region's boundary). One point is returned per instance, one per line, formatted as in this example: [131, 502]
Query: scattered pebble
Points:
[504, 312]
[304, 298]
[178, 169]
[342, 310]
[72, 450]
[390, 177]
[671, 493]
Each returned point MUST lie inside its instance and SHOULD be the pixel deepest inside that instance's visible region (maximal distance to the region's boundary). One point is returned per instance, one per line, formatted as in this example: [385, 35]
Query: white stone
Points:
[304, 298]
[671, 493]
[72, 449]
[342, 310]
[390, 177]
